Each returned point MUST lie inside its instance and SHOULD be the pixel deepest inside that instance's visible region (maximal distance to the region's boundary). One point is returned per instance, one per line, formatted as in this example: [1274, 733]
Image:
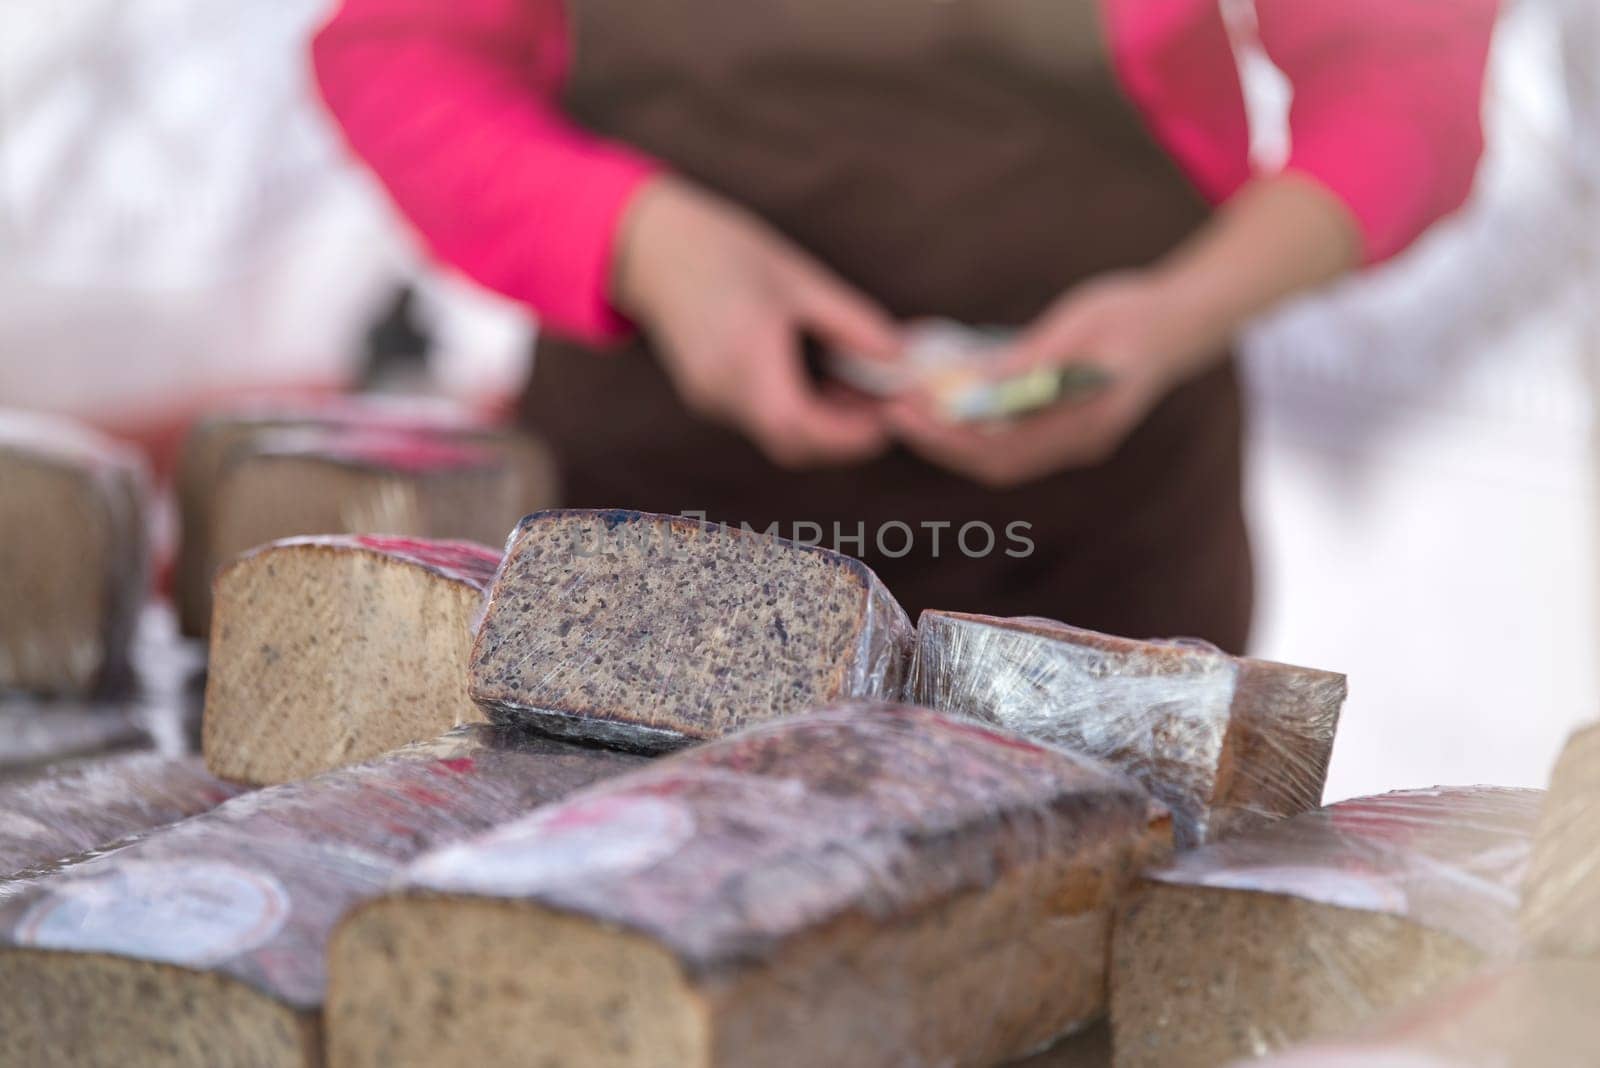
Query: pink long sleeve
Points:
[454, 106]
[1387, 99]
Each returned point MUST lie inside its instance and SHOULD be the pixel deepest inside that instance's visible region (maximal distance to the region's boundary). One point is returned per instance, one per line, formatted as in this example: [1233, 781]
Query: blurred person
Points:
[689, 191]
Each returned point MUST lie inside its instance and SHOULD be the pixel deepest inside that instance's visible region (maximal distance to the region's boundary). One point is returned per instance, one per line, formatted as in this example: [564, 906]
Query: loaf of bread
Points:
[1538, 1014]
[1311, 927]
[650, 631]
[866, 885]
[301, 482]
[1228, 743]
[219, 440]
[330, 650]
[202, 945]
[1561, 898]
[73, 808]
[73, 555]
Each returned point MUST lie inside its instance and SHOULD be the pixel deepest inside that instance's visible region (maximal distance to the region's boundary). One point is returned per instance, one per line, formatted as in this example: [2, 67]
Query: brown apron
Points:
[962, 158]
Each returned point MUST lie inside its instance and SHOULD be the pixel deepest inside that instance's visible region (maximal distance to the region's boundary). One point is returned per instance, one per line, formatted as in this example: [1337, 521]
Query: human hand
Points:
[728, 302]
[1141, 329]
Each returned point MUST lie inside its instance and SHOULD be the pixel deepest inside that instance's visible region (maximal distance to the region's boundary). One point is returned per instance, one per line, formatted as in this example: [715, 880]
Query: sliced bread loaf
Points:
[220, 439]
[202, 945]
[1538, 1014]
[1227, 742]
[651, 631]
[74, 808]
[73, 556]
[866, 885]
[1314, 926]
[327, 651]
[1561, 899]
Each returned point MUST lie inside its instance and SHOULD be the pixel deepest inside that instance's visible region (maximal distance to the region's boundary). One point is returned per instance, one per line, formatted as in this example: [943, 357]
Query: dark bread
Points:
[327, 651]
[1227, 742]
[865, 885]
[650, 631]
[203, 944]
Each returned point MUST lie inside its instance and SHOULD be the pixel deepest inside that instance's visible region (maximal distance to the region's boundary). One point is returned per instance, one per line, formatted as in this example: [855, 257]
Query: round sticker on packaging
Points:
[571, 844]
[191, 913]
[1343, 889]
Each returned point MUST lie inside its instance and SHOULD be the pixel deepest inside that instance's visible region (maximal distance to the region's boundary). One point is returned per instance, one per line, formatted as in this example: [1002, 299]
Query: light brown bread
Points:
[73, 556]
[1229, 743]
[327, 651]
[651, 632]
[867, 885]
[1315, 926]
[220, 439]
[1537, 1014]
[203, 944]
[1561, 898]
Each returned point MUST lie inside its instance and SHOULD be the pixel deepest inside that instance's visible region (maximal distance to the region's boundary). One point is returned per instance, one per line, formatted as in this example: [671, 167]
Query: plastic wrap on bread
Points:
[1561, 900]
[74, 553]
[74, 808]
[1314, 926]
[222, 438]
[651, 632]
[330, 650]
[1536, 1014]
[868, 884]
[1227, 742]
[203, 943]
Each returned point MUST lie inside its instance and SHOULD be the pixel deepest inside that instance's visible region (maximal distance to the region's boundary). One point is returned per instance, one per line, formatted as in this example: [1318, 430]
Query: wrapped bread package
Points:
[1228, 743]
[73, 555]
[220, 442]
[867, 884]
[1535, 1014]
[83, 806]
[203, 944]
[1312, 927]
[651, 632]
[327, 651]
[1561, 899]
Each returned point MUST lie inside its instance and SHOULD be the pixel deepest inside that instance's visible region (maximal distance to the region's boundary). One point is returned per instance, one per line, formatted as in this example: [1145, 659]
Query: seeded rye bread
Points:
[203, 945]
[221, 438]
[865, 885]
[73, 555]
[1310, 928]
[73, 808]
[1561, 899]
[327, 651]
[1227, 742]
[1537, 1014]
[651, 632]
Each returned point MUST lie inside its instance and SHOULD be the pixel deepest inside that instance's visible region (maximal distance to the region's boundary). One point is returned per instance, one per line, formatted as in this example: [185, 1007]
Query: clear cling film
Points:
[1227, 742]
[74, 567]
[1318, 925]
[871, 884]
[217, 926]
[651, 632]
[357, 643]
[85, 805]
[1532, 1013]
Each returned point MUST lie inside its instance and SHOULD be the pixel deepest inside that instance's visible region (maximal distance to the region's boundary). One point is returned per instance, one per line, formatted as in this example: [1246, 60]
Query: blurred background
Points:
[179, 223]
